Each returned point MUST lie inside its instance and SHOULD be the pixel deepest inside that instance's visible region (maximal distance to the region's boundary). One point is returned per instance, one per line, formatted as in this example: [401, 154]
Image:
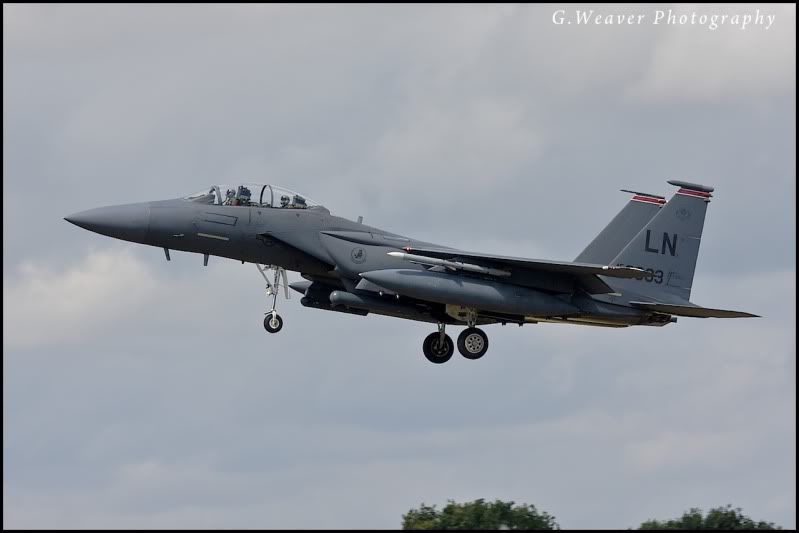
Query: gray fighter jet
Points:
[637, 271]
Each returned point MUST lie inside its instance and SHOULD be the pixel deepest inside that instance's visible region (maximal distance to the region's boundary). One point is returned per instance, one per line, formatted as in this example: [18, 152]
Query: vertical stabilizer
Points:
[621, 230]
[667, 247]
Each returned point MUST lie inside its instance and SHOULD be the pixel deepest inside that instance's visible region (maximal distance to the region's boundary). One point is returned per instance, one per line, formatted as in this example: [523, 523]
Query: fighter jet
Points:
[637, 272]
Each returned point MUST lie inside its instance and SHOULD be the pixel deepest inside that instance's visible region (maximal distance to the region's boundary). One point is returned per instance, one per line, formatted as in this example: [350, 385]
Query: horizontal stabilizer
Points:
[692, 310]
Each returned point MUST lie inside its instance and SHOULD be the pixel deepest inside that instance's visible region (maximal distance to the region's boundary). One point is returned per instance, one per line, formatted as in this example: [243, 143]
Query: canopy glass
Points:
[252, 195]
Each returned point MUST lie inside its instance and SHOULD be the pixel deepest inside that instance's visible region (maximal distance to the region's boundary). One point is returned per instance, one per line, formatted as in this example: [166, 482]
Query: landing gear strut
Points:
[272, 322]
[438, 347]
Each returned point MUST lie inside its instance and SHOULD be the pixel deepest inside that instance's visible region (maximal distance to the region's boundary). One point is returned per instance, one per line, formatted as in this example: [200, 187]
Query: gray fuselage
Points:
[332, 252]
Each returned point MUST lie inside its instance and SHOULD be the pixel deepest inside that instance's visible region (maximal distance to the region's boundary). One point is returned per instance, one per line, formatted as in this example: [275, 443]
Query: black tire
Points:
[434, 351]
[472, 343]
[273, 326]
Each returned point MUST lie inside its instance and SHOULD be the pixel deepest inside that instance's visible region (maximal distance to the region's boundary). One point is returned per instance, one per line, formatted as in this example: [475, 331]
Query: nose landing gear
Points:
[273, 322]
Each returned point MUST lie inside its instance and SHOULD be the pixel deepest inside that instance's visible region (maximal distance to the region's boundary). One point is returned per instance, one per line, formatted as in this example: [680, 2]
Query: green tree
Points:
[717, 518]
[478, 515]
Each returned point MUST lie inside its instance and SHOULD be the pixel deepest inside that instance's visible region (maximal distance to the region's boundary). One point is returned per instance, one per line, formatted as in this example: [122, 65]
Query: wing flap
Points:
[692, 310]
[577, 269]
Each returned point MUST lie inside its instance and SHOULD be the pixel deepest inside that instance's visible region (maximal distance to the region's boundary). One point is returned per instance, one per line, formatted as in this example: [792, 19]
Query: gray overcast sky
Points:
[138, 393]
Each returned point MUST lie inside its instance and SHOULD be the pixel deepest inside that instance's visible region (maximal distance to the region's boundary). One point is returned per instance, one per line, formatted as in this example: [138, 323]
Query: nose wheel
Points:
[273, 322]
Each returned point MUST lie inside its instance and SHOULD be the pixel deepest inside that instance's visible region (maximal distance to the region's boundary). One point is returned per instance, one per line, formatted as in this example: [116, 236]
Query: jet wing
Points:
[501, 261]
[691, 310]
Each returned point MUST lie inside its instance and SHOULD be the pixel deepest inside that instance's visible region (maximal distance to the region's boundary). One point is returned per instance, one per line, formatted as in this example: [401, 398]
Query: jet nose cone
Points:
[128, 222]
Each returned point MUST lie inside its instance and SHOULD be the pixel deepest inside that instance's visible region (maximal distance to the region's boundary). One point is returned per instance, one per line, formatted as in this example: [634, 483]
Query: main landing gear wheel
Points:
[273, 323]
[472, 343]
[437, 350]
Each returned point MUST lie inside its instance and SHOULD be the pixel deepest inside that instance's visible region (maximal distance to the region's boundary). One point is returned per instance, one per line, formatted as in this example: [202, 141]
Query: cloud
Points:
[694, 65]
[44, 306]
[670, 450]
[209, 421]
[147, 394]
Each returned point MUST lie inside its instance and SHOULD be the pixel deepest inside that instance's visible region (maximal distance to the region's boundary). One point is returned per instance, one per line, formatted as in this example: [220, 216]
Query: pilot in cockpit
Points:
[284, 201]
[244, 195]
[230, 197]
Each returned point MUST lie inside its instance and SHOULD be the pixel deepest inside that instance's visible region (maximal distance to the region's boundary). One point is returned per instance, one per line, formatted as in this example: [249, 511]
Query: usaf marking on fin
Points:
[668, 242]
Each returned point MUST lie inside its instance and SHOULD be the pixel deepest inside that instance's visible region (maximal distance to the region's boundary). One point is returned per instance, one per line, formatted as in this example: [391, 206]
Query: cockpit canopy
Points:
[252, 195]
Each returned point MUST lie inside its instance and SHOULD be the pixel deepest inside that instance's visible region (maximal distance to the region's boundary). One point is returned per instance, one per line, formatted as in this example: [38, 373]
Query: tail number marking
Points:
[669, 241]
[651, 275]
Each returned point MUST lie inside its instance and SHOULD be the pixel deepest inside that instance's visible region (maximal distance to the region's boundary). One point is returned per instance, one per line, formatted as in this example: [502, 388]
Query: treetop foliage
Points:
[717, 518]
[478, 515]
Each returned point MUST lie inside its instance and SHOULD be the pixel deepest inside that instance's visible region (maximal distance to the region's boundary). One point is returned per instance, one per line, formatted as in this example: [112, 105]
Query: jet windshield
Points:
[252, 195]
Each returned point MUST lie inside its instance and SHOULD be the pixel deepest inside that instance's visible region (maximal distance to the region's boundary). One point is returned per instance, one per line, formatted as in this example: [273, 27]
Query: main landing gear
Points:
[273, 322]
[472, 343]
[438, 347]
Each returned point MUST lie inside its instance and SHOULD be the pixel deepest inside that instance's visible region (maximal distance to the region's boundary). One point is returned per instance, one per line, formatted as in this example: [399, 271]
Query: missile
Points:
[472, 292]
[450, 265]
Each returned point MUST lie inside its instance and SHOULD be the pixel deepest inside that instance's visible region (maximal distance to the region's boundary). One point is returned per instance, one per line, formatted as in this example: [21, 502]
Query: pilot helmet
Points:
[284, 200]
